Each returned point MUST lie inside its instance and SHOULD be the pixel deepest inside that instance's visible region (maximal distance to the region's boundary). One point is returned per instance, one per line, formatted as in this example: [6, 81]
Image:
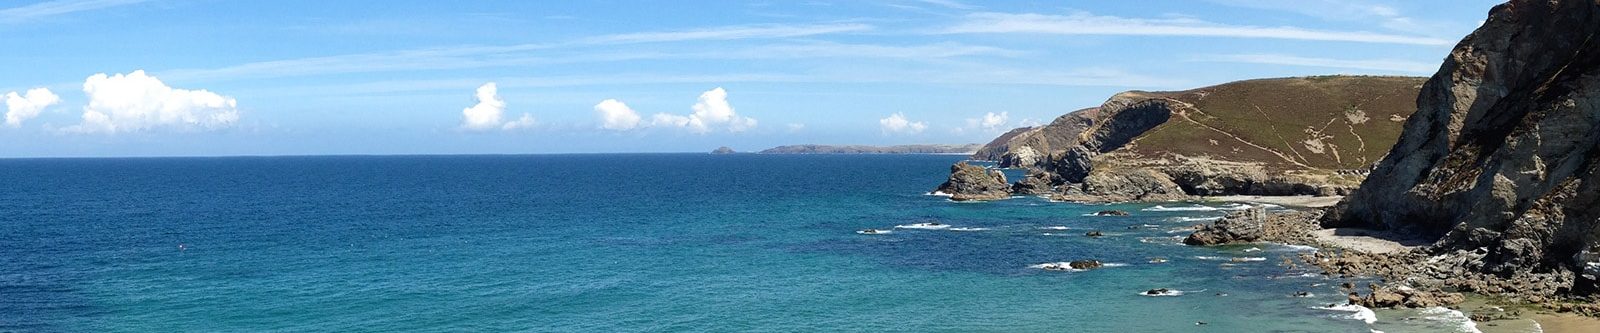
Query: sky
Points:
[89, 78]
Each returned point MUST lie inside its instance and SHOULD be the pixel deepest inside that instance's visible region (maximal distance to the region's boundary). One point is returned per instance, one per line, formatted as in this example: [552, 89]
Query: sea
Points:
[619, 243]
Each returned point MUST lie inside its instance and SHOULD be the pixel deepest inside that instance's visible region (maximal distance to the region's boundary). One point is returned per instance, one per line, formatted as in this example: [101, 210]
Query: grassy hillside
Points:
[1324, 122]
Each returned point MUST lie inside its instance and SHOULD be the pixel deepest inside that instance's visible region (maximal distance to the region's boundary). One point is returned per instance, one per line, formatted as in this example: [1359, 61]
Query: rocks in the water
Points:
[1111, 213]
[1085, 264]
[971, 182]
[1403, 297]
[1158, 260]
[722, 150]
[872, 232]
[1124, 184]
[1157, 291]
[1255, 225]
[1036, 183]
[1239, 227]
[1303, 294]
[1094, 233]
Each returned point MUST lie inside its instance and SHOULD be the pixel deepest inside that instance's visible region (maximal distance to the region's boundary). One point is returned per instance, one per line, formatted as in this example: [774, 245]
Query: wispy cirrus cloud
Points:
[483, 57]
[480, 56]
[729, 33]
[1382, 65]
[58, 7]
[1084, 23]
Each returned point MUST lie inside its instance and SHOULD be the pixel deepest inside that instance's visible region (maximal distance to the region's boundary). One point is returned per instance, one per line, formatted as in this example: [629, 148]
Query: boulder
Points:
[1036, 183]
[971, 182]
[1085, 264]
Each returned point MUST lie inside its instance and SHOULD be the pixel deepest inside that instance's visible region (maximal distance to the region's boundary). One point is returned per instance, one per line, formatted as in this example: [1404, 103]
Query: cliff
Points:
[1499, 163]
[1285, 136]
[859, 149]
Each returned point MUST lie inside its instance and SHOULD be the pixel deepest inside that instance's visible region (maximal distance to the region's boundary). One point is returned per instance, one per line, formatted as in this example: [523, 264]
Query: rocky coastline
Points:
[1484, 184]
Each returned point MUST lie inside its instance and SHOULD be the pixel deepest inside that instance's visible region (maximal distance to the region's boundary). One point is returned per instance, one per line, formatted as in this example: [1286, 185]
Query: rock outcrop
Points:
[1036, 183]
[1287, 136]
[1255, 225]
[970, 182]
[722, 150]
[1500, 162]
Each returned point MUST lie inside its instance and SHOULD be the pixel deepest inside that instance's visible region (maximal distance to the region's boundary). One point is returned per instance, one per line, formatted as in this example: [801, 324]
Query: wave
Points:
[968, 229]
[939, 194]
[1357, 312]
[1162, 293]
[1295, 248]
[1055, 228]
[1195, 208]
[1231, 259]
[1195, 219]
[1451, 316]
[924, 226]
[1067, 266]
[1056, 266]
[873, 232]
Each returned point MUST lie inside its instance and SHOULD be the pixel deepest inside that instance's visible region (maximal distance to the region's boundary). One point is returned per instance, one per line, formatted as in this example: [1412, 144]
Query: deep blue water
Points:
[604, 243]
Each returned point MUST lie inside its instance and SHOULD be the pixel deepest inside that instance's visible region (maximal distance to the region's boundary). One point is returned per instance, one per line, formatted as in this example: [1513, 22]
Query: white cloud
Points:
[1383, 65]
[22, 107]
[526, 121]
[988, 123]
[135, 101]
[1083, 23]
[796, 127]
[898, 124]
[730, 32]
[58, 7]
[711, 111]
[490, 111]
[951, 4]
[614, 115]
[486, 114]
[459, 57]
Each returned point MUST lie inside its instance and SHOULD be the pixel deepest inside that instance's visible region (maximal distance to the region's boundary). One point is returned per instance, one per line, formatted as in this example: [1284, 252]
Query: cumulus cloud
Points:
[490, 111]
[614, 115]
[22, 107]
[711, 112]
[898, 124]
[796, 127]
[486, 114]
[990, 121]
[136, 101]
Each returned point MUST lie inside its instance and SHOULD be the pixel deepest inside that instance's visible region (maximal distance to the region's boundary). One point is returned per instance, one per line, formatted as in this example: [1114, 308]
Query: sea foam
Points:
[1357, 312]
[1195, 208]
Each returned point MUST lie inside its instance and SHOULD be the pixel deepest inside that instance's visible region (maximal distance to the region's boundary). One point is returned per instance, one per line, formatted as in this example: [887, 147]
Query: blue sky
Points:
[214, 77]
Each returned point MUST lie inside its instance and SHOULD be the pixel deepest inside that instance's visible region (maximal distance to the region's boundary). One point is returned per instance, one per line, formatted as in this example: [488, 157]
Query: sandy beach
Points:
[1293, 200]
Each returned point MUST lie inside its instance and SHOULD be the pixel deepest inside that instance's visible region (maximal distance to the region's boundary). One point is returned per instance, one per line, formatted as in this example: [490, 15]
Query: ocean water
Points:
[612, 243]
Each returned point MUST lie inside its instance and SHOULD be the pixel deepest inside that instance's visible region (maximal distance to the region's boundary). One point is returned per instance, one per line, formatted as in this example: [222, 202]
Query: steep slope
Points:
[1031, 146]
[1500, 160]
[1283, 136]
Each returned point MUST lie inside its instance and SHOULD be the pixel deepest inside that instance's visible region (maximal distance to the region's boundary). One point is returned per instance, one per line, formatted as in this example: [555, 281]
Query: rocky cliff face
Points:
[1031, 147]
[1287, 136]
[1500, 158]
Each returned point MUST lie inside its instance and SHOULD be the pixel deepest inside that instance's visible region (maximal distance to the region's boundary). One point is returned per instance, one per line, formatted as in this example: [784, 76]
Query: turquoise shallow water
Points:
[607, 243]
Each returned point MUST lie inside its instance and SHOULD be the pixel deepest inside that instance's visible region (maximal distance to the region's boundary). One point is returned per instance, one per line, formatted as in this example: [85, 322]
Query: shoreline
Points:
[1305, 201]
[1525, 316]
